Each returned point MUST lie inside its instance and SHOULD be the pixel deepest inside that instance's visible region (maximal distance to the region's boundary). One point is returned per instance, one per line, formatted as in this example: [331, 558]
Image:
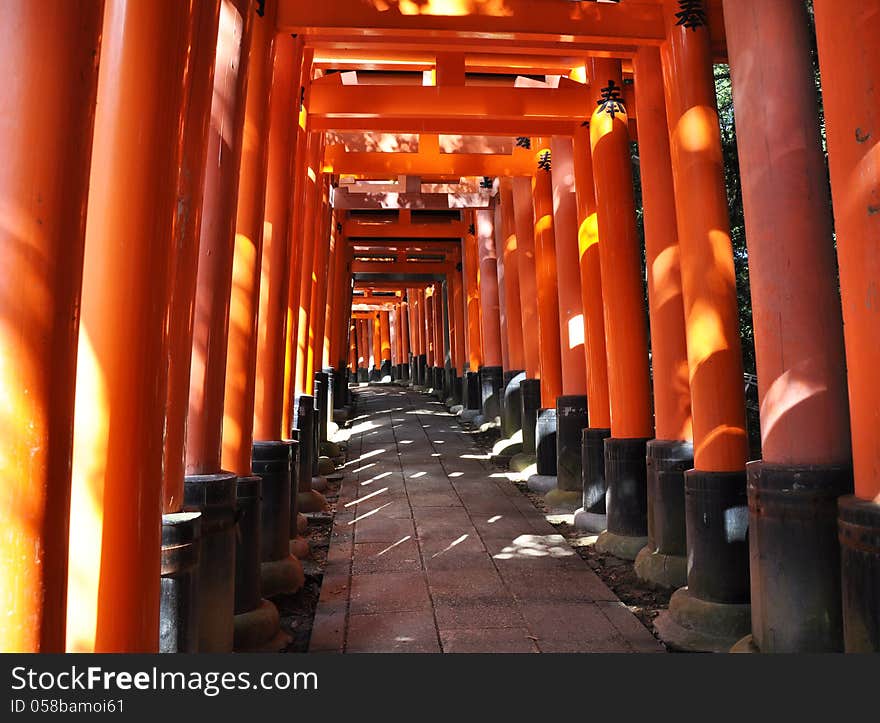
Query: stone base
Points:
[283, 576]
[468, 415]
[259, 630]
[563, 501]
[660, 569]
[302, 523]
[331, 449]
[746, 645]
[311, 501]
[456, 409]
[508, 447]
[541, 483]
[299, 548]
[340, 416]
[521, 462]
[325, 466]
[696, 625]
[622, 546]
[590, 521]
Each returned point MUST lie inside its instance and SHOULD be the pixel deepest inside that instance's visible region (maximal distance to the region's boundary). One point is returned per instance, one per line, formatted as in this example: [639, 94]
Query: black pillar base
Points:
[322, 399]
[626, 498]
[279, 573]
[405, 372]
[331, 400]
[663, 561]
[294, 482]
[545, 442]
[423, 370]
[491, 386]
[179, 591]
[795, 557]
[471, 394]
[591, 516]
[511, 404]
[247, 544]
[859, 523]
[448, 382]
[571, 419]
[437, 380]
[375, 375]
[340, 386]
[385, 369]
[214, 496]
[363, 375]
[304, 422]
[530, 401]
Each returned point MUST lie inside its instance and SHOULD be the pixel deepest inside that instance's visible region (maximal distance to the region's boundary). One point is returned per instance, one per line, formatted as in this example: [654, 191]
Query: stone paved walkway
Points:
[432, 550]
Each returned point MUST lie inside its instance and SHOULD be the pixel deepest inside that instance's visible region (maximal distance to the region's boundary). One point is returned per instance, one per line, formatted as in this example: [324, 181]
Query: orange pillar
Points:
[51, 74]
[457, 304]
[428, 327]
[510, 253]
[715, 490]
[115, 525]
[489, 305]
[565, 228]
[352, 347]
[277, 240]
[311, 204]
[663, 561]
[241, 350]
[439, 332]
[385, 343]
[524, 221]
[190, 192]
[849, 59]
[546, 279]
[377, 340]
[472, 297]
[318, 303]
[498, 227]
[299, 181]
[598, 403]
[404, 332]
[216, 243]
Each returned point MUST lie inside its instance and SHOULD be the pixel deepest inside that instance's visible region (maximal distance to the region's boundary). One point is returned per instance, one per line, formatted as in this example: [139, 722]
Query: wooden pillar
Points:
[318, 302]
[458, 320]
[439, 330]
[115, 524]
[404, 331]
[428, 326]
[241, 350]
[546, 279]
[565, 228]
[385, 332]
[277, 239]
[51, 76]
[524, 222]
[216, 242]
[376, 328]
[510, 253]
[715, 490]
[598, 403]
[498, 228]
[187, 227]
[472, 297]
[299, 182]
[489, 307]
[849, 59]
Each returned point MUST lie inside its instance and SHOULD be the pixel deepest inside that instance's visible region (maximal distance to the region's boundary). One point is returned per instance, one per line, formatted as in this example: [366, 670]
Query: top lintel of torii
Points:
[520, 28]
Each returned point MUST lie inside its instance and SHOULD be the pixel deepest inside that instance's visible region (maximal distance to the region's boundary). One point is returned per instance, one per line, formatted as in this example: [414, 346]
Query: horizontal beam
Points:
[362, 229]
[400, 267]
[634, 21]
[416, 106]
[342, 199]
[427, 246]
[391, 285]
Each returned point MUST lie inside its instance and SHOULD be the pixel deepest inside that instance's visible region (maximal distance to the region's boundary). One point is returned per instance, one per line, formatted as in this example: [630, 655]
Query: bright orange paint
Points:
[672, 399]
[241, 349]
[619, 252]
[116, 502]
[489, 301]
[216, 241]
[524, 222]
[598, 403]
[546, 279]
[849, 55]
[708, 279]
[509, 256]
[44, 181]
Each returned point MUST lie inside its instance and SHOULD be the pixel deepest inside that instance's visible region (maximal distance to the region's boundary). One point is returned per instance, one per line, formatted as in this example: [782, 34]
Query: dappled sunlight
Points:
[376, 478]
[705, 333]
[475, 456]
[533, 546]
[452, 544]
[698, 131]
[416, 475]
[370, 513]
[92, 428]
[666, 276]
[365, 497]
[449, 8]
[393, 545]
[365, 455]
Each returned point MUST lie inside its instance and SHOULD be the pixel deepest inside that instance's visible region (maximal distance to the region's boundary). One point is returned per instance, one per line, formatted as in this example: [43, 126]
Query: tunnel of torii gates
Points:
[217, 215]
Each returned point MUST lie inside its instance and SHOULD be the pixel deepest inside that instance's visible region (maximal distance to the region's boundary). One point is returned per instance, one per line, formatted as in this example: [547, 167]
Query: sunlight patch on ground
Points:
[450, 546]
[528, 546]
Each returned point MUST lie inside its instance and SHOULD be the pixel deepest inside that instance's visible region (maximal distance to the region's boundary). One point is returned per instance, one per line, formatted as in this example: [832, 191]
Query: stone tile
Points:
[630, 627]
[389, 592]
[396, 508]
[433, 499]
[382, 529]
[435, 548]
[574, 623]
[555, 585]
[466, 586]
[487, 640]
[494, 614]
[335, 589]
[501, 526]
[399, 556]
[328, 628]
[471, 557]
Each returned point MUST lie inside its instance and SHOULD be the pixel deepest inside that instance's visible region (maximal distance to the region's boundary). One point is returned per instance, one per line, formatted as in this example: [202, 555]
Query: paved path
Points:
[432, 550]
